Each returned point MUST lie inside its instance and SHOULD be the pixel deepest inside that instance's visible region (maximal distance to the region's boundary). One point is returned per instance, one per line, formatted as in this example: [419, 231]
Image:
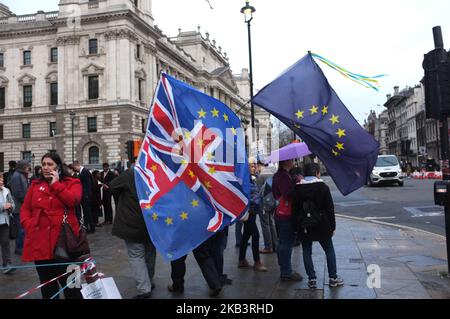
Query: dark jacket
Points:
[87, 182]
[129, 221]
[319, 193]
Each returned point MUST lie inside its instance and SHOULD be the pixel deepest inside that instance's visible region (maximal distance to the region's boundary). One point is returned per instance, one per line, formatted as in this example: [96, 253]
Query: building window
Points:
[144, 129]
[138, 51]
[93, 48]
[92, 124]
[93, 87]
[136, 3]
[26, 57]
[94, 155]
[26, 130]
[26, 156]
[140, 89]
[2, 162]
[27, 96]
[2, 60]
[2, 98]
[1, 132]
[54, 55]
[52, 128]
[54, 93]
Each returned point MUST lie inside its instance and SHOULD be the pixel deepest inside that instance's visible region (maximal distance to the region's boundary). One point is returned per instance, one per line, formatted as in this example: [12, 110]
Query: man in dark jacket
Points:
[8, 175]
[129, 225]
[106, 177]
[19, 188]
[313, 212]
[86, 200]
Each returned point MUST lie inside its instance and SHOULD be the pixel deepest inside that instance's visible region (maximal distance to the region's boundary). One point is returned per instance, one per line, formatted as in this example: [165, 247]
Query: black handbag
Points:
[13, 228]
[69, 246]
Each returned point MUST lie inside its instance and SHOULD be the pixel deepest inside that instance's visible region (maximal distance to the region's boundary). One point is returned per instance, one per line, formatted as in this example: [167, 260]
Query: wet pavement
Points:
[410, 263]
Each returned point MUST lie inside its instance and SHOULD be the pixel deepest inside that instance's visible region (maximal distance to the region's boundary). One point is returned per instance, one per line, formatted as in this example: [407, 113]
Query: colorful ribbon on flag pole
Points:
[369, 82]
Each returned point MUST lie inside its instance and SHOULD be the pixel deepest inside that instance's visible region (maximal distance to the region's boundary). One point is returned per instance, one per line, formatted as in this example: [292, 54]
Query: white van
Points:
[386, 170]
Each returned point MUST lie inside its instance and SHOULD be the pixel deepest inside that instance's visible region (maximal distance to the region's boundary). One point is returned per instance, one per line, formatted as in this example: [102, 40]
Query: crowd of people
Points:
[293, 205]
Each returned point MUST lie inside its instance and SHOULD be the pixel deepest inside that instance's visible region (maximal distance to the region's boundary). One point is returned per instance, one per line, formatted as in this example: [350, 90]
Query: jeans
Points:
[250, 230]
[142, 257]
[327, 246]
[20, 236]
[268, 229]
[285, 243]
[4, 242]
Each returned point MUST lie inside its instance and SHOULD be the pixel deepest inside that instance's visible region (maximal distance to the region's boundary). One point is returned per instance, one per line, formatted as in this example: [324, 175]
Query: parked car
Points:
[386, 170]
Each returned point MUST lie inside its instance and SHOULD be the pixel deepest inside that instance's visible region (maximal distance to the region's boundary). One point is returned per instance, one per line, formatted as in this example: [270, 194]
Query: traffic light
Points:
[129, 149]
[436, 65]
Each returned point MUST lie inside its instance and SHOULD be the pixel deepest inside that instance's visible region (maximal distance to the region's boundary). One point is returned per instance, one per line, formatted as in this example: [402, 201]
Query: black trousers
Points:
[48, 273]
[204, 260]
[218, 246]
[107, 206]
[250, 230]
[87, 213]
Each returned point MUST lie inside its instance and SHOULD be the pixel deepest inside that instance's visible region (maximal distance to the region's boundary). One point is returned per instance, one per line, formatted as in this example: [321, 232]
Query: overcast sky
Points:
[366, 37]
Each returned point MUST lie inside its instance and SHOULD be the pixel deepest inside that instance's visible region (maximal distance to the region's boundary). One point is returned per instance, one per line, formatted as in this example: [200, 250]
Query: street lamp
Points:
[72, 118]
[248, 15]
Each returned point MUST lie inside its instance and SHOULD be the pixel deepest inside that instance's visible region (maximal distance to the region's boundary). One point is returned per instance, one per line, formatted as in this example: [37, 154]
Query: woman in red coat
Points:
[41, 216]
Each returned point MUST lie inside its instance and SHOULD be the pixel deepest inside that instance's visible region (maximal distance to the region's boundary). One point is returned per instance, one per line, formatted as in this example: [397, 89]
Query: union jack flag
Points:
[192, 174]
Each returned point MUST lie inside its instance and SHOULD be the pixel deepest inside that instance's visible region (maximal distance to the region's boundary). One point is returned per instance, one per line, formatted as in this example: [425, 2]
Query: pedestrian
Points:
[283, 188]
[8, 175]
[47, 201]
[251, 229]
[106, 177]
[205, 261]
[313, 209]
[129, 225]
[19, 188]
[37, 173]
[96, 202]
[238, 233]
[86, 200]
[218, 246]
[6, 210]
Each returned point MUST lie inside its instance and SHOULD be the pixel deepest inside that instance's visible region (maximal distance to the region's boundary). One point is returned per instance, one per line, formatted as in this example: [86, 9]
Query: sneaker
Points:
[244, 264]
[259, 267]
[295, 276]
[9, 270]
[336, 282]
[174, 289]
[215, 292]
[312, 283]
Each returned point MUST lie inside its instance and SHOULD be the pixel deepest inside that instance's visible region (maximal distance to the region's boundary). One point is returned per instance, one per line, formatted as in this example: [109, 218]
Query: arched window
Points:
[94, 157]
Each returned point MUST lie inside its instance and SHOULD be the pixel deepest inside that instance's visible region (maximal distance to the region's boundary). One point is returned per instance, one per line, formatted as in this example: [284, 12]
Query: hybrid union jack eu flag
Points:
[192, 175]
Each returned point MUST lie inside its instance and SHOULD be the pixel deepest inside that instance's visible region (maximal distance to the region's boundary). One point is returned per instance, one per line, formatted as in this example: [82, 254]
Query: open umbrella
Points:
[291, 151]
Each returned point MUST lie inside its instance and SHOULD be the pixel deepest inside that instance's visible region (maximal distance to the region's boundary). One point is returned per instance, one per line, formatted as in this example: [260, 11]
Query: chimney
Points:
[389, 96]
[396, 90]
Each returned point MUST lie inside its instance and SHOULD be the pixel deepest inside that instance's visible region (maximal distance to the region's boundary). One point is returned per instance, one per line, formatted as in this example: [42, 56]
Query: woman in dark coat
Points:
[312, 196]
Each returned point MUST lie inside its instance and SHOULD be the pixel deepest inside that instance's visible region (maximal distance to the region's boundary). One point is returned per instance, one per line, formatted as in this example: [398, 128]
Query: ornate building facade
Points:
[80, 80]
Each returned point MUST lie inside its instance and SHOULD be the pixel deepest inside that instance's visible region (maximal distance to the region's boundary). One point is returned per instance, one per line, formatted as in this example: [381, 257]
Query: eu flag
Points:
[192, 175]
[303, 100]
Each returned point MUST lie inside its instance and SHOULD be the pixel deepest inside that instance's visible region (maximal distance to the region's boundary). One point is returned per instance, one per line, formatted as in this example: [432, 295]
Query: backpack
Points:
[268, 201]
[311, 216]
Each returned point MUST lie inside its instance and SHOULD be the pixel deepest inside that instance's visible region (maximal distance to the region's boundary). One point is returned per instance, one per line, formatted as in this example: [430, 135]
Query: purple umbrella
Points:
[291, 151]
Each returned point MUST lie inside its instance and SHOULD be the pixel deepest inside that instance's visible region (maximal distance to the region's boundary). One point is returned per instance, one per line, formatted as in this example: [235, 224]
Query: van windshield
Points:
[386, 161]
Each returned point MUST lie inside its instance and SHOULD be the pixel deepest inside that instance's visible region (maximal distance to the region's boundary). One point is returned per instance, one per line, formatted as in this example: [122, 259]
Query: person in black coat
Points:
[96, 198]
[313, 197]
[87, 183]
[106, 177]
[129, 225]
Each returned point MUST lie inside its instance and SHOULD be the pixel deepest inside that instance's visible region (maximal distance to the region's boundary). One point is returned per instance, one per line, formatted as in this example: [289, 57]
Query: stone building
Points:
[87, 73]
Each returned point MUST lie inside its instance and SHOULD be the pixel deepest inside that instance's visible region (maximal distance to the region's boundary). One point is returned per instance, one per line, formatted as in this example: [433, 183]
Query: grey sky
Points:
[366, 37]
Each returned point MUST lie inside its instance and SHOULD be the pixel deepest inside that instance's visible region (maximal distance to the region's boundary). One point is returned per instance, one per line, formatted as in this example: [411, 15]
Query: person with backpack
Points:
[266, 217]
[313, 213]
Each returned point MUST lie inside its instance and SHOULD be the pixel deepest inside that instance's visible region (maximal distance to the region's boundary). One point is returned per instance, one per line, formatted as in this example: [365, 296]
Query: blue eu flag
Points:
[304, 101]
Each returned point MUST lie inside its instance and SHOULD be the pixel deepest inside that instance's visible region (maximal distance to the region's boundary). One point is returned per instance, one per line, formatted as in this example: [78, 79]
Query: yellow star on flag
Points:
[184, 215]
[210, 156]
[201, 114]
[225, 117]
[340, 146]
[194, 203]
[340, 133]
[233, 130]
[155, 217]
[187, 135]
[212, 170]
[191, 174]
[200, 143]
[208, 184]
[299, 114]
[314, 110]
[169, 221]
[183, 162]
[325, 110]
[215, 112]
[334, 119]
[335, 153]
[154, 168]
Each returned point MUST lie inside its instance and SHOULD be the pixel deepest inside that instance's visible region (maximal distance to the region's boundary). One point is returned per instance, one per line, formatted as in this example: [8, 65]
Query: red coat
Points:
[42, 213]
